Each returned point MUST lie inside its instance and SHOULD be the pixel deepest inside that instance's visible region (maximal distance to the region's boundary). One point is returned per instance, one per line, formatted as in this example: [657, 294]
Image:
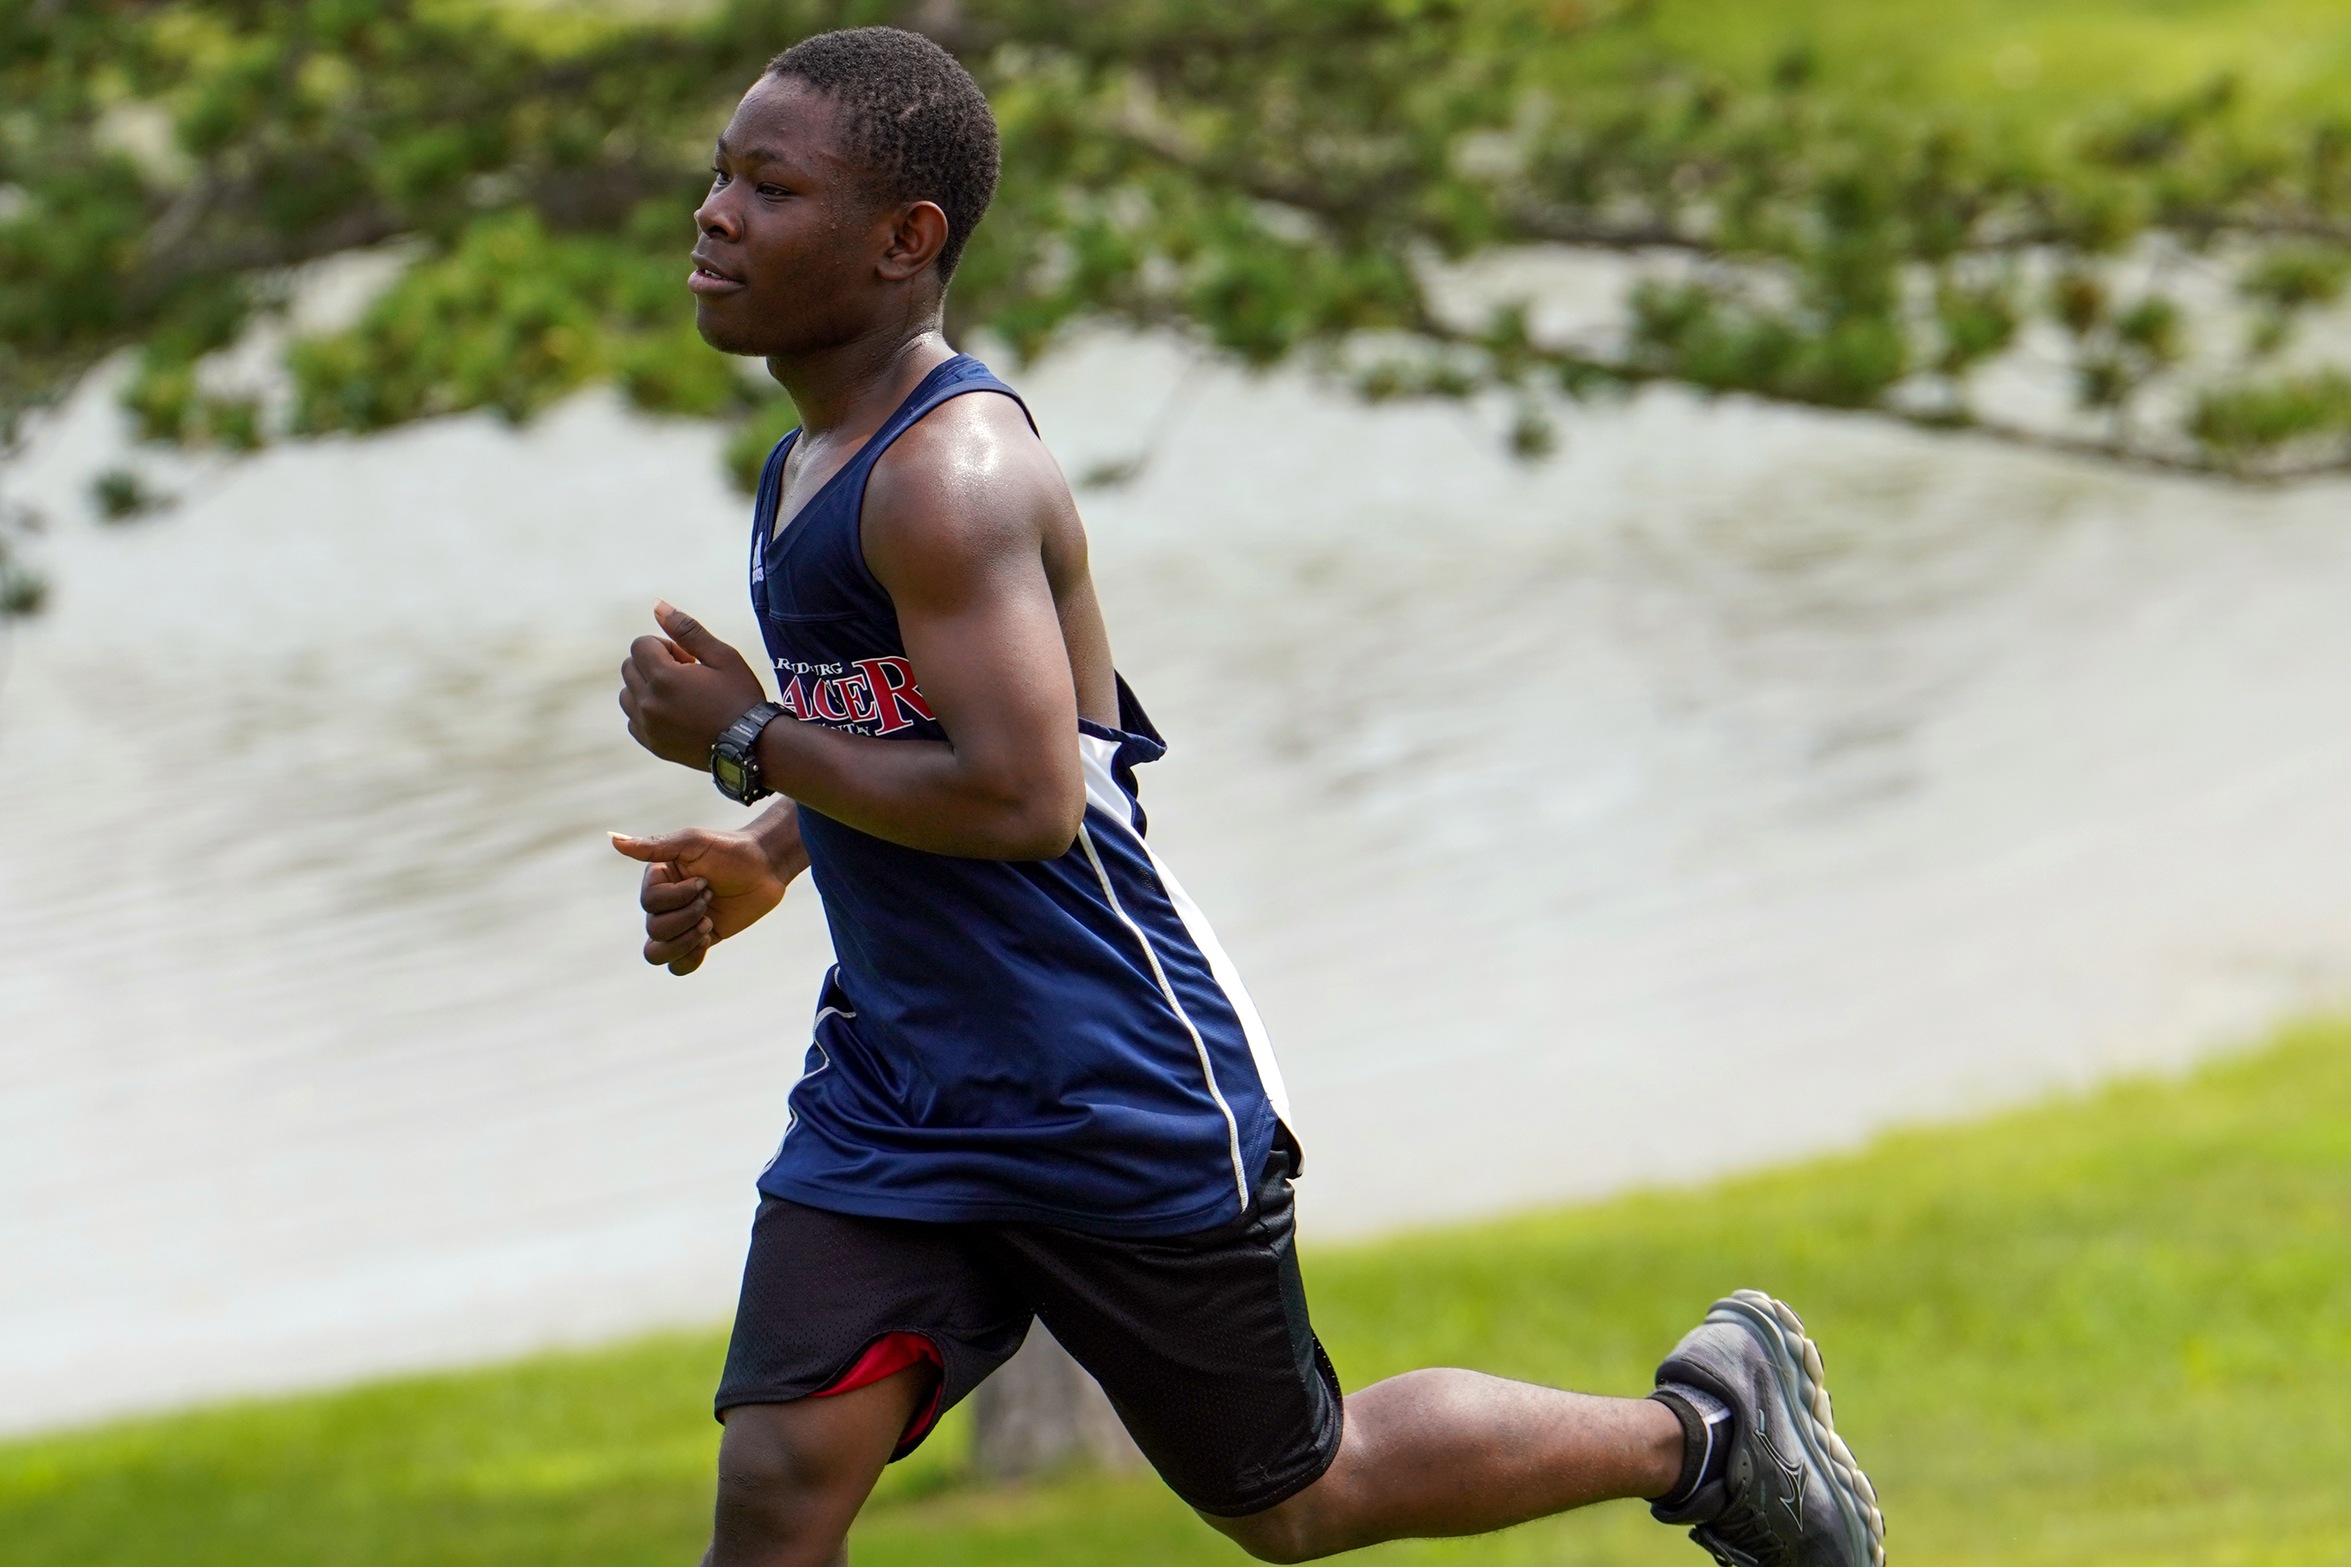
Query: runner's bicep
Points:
[967, 578]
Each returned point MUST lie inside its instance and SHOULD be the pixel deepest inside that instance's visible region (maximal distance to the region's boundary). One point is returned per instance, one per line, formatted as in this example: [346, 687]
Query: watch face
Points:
[728, 772]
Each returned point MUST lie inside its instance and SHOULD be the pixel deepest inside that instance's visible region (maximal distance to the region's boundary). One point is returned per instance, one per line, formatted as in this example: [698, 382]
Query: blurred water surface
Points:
[1734, 783]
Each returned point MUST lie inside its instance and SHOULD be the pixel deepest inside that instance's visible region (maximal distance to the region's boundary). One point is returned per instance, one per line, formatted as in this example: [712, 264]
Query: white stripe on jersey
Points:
[1232, 1127]
[1102, 789]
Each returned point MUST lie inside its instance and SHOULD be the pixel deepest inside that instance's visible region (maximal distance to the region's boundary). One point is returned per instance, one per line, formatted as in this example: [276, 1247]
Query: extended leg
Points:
[792, 1476]
[1457, 1452]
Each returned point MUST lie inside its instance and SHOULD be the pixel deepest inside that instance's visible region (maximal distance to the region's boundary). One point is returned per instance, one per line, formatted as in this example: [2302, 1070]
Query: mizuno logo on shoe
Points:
[1749, 1355]
[1790, 1496]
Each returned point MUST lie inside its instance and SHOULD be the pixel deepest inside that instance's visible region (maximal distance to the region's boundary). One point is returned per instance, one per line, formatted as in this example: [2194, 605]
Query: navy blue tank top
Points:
[1059, 1041]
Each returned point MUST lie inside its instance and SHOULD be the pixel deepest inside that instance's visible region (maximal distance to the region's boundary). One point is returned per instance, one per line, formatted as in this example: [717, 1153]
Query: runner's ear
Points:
[915, 241]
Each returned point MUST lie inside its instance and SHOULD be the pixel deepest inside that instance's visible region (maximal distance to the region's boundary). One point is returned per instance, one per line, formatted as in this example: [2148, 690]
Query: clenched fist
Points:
[680, 691]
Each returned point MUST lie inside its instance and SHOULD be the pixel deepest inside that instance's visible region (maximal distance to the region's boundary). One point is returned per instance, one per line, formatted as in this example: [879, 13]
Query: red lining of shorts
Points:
[886, 1357]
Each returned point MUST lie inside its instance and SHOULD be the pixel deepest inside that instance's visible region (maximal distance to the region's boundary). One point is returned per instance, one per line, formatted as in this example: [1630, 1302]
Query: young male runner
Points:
[1037, 1086]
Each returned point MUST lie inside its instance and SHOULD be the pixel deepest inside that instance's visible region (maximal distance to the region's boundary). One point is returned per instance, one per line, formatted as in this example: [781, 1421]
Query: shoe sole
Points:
[1797, 1359]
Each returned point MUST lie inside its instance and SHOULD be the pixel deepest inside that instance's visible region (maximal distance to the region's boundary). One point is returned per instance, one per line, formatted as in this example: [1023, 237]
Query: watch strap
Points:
[736, 750]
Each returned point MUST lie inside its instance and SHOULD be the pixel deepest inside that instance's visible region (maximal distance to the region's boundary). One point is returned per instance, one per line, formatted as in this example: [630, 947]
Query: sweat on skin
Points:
[970, 765]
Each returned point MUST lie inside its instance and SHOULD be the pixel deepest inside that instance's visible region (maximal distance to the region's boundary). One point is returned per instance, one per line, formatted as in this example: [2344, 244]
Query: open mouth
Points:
[708, 279]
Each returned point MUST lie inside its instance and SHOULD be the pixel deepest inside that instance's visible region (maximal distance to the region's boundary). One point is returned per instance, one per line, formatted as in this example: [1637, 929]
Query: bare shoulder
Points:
[968, 485]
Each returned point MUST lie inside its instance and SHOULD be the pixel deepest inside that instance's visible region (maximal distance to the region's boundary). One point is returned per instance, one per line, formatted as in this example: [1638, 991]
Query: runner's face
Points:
[789, 232]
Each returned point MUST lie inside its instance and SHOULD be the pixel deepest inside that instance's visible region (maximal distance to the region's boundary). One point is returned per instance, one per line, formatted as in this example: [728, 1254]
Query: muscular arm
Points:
[955, 524]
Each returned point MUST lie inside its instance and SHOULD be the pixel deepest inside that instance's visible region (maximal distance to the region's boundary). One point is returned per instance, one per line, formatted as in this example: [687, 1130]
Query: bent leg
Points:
[792, 1476]
[1457, 1452]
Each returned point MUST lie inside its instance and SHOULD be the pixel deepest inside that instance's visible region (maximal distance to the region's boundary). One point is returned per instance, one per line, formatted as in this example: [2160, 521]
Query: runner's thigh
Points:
[1202, 1343]
[824, 1293]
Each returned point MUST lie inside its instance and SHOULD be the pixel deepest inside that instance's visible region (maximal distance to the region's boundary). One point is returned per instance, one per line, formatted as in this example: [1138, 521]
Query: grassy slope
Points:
[2032, 62]
[2112, 1330]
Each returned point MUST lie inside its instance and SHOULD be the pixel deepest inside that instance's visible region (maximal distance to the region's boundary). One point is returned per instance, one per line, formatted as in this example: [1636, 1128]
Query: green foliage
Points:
[2297, 277]
[2109, 1331]
[1976, 323]
[1694, 333]
[164, 400]
[121, 495]
[22, 590]
[2243, 423]
[2287, 283]
[511, 318]
[1277, 179]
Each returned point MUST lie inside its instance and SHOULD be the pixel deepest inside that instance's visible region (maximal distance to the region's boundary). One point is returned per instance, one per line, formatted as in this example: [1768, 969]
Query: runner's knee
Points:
[784, 1492]
[774, 1466]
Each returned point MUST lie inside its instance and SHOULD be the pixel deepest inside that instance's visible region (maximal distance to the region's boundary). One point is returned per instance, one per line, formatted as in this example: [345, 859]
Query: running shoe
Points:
[1789, 1494]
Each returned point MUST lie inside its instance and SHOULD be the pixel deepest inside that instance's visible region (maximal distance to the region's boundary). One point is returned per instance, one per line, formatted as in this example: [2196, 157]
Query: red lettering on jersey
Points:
[826, 701]
[793, 700]
[894, 692]
[857, 691]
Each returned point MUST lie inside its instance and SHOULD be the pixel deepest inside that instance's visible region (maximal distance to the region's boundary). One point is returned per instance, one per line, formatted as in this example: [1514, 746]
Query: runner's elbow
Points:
[1044, 829]
[1036, 818]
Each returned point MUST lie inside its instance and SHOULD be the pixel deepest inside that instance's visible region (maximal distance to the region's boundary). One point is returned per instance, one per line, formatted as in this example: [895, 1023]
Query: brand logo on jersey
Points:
[865, 696]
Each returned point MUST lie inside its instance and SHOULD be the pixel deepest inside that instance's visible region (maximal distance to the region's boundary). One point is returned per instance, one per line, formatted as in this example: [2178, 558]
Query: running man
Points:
[1037, 1088]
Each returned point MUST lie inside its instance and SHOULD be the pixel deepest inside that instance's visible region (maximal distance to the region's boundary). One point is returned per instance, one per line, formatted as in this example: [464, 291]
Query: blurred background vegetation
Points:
[1851, 205]
[1860, 206]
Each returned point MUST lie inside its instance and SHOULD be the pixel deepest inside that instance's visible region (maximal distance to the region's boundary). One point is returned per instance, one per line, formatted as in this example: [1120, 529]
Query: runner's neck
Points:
[852, 389]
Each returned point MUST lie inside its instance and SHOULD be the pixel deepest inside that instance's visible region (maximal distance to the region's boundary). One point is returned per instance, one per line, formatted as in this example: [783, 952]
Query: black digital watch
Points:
[734, 756]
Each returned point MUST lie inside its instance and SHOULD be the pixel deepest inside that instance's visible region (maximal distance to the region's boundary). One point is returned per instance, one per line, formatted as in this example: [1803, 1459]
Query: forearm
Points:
[925, 794]
[777, 832]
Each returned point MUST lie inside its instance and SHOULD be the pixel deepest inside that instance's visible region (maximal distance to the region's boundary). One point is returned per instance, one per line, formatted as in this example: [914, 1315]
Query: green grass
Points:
[2116, 1329]
[2031, 63]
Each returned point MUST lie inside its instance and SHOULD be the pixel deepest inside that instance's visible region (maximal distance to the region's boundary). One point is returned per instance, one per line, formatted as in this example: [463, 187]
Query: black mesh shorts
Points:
[1201, 1341]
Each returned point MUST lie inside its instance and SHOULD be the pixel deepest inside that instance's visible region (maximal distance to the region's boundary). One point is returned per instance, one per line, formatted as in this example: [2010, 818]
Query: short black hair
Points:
[913, 115]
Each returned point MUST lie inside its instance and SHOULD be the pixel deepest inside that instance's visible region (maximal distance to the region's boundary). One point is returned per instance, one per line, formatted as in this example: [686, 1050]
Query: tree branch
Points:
[2114, 452]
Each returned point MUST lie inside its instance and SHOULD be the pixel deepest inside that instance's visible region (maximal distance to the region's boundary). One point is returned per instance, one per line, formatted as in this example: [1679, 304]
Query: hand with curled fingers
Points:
[682, 689]
[702, 886]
